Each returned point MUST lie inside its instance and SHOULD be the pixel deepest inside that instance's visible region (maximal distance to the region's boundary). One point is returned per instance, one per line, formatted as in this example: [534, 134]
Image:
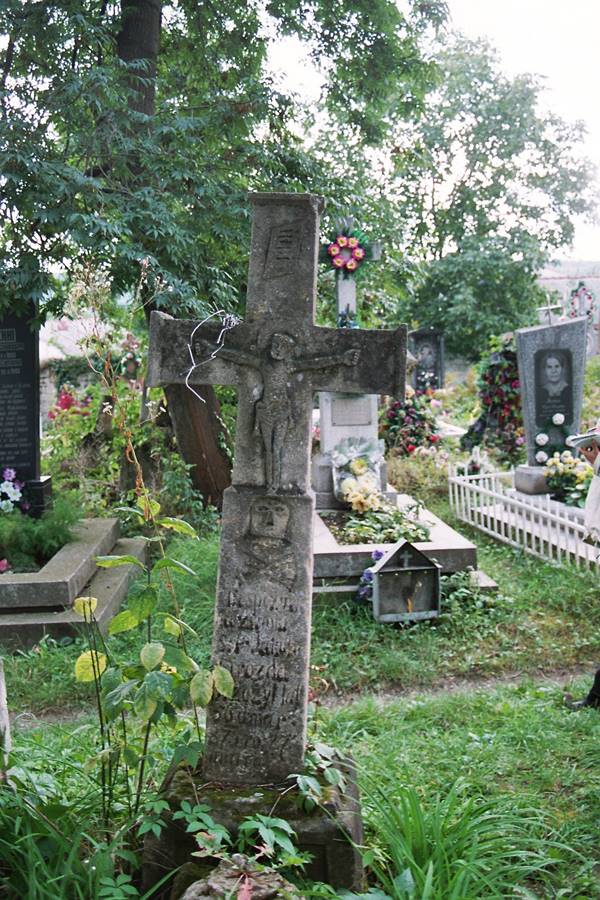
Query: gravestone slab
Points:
[20, 406]
[551, 362]
[427, 347]
[277, 358]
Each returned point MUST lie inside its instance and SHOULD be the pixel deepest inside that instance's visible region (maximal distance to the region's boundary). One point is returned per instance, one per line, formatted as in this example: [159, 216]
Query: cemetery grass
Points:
[510, 756]
[545, 618]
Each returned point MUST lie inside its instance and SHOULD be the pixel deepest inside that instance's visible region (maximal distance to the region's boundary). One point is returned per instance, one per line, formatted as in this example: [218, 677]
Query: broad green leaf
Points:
[223, 681]
[201, 687]
[158, 685]
[87, 663]
[152, 655]
[111, 562]
[150, 508]
[171, 626]
[177, 525]
[143, 604]
[114, 699]
[167, 563]
[130, 510]
[143, 704]
[174, 656]
[85, 606]
[130, 756]
[123, 621]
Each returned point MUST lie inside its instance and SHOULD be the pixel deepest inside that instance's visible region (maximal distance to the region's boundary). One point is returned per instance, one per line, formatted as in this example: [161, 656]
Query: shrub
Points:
[26, 544]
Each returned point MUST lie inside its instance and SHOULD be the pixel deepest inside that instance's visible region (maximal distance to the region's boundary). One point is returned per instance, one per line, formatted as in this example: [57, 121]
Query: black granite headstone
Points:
[20, 407]
[427, 346]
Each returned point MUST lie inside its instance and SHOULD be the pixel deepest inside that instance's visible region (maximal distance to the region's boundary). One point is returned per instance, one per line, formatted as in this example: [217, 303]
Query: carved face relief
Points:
[269, 518]
[282, 346]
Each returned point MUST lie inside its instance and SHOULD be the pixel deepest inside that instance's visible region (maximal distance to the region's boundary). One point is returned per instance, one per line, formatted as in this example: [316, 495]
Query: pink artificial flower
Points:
[9, 474]
[358, 253]
[351, 265]
[333, 249]
[4, 566]
[339, 262]
[352, 242]
[341, 240]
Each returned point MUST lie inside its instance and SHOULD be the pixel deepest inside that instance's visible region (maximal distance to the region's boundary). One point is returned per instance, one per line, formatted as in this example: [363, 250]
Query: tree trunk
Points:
[196, 424]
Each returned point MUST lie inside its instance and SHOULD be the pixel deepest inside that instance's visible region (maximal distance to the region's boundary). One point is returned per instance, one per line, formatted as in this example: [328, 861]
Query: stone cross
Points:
[277, 358]
[547, 309]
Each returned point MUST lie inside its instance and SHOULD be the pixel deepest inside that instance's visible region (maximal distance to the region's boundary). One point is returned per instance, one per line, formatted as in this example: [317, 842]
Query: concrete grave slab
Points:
[21, 629]
[62, 579]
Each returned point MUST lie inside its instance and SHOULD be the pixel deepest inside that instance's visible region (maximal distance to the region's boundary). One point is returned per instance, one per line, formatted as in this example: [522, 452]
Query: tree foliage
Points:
[87, 176]
[488, 186]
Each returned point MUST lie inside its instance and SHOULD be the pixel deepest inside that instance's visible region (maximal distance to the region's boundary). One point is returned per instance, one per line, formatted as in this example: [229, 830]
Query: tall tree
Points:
[488, 186]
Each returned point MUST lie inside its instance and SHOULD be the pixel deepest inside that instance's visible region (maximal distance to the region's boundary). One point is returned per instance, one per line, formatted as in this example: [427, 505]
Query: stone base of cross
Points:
[277, 359]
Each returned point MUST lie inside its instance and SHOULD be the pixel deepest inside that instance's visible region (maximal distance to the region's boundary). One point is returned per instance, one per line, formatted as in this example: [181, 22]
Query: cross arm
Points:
[379, 367]
[170, 361]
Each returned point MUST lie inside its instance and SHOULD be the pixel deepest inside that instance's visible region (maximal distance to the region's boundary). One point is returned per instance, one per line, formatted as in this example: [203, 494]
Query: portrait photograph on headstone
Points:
[553, 385]
[299, 450]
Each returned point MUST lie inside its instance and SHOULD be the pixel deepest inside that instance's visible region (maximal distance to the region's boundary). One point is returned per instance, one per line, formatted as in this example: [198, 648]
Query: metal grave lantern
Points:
[405, 586]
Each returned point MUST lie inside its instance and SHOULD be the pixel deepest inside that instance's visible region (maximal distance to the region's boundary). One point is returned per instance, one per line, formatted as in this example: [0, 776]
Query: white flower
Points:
[541, 439]
[541, 457]
[11, 492]
[6, 506]
[569, 440]
[558, 419]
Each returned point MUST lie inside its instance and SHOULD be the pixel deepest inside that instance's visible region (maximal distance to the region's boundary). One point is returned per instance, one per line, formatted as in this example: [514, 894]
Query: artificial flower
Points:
[341, 240]
[339, 262]
[358, 253]
[333, 249]
[558, 419]
[351, 265]
[541, 457]
[358, 466]
[353, 242]
[541, 439]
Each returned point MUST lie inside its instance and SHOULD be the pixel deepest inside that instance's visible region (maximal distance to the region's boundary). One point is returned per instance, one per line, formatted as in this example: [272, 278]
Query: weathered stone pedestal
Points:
[331, 835]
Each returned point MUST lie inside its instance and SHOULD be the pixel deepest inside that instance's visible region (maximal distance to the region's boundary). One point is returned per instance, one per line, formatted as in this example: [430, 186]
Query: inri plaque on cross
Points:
[277, 358]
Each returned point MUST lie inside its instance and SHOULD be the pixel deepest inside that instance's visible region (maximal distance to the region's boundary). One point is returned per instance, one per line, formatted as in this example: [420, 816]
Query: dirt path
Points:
[556, 677]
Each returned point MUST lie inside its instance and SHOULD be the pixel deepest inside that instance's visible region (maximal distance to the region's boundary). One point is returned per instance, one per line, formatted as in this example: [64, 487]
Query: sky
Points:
[557, 39]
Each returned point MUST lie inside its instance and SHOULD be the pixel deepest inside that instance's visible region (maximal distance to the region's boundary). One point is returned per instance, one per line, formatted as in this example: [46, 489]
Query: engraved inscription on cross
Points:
[277, 358]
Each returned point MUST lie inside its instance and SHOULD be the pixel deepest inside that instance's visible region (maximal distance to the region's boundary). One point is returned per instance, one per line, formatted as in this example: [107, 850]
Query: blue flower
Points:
[367, 576]
[377, 554]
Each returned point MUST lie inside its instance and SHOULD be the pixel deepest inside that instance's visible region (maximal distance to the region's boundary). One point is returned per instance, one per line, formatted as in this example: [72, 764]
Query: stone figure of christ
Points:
[273, 411]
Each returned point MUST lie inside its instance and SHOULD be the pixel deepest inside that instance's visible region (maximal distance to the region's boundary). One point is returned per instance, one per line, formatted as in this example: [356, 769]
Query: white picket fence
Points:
[533, 523]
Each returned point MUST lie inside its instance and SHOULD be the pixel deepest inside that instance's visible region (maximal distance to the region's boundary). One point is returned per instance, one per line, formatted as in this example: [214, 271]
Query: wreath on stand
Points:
[347, 249]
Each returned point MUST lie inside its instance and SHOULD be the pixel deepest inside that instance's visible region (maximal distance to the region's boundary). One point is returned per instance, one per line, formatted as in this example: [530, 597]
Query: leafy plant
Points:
[27, 543]
[162, 680]
[385, 525]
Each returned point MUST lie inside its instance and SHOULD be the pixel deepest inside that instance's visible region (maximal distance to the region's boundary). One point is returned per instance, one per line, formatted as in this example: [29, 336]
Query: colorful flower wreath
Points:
[346, 251]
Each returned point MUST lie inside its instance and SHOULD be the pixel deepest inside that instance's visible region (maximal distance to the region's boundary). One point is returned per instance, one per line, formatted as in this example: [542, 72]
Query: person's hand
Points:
[590, 452]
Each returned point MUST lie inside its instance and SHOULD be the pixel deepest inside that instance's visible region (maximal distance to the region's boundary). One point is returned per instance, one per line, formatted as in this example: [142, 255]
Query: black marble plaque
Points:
[553, 385]
[19, 396]
[427, 346]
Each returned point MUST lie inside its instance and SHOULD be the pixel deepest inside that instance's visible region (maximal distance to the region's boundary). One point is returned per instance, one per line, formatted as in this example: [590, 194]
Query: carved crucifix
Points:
[277, 358]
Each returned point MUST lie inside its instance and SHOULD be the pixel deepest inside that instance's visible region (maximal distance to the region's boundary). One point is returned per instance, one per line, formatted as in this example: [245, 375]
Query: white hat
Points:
[580, 440]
